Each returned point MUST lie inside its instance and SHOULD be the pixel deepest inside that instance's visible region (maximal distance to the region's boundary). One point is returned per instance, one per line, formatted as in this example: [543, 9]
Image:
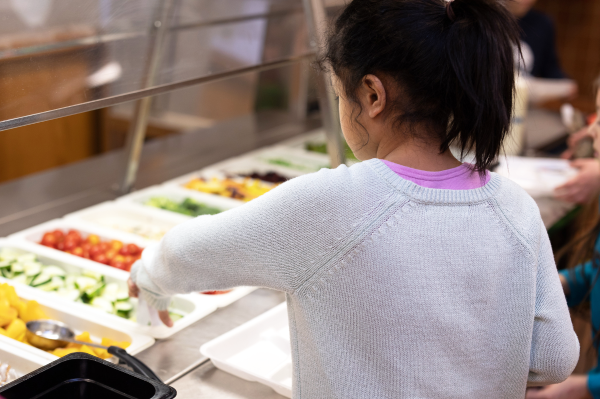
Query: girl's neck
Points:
[418, 155]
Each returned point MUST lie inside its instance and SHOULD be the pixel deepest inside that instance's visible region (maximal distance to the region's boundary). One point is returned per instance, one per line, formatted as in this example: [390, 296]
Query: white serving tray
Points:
[222, 300]
[258, 350]
[307, 162]
[122, 216]
[194, 306]
[79, 322]
[138, 199]
[242, 165]
[538, 176]
[34, 234]
[21, 361]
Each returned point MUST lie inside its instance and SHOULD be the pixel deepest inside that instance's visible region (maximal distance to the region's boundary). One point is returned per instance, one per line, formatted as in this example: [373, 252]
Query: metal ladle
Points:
[52, 334]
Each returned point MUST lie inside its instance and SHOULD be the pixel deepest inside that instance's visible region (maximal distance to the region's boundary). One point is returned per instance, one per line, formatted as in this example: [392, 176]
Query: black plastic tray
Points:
[82, 376]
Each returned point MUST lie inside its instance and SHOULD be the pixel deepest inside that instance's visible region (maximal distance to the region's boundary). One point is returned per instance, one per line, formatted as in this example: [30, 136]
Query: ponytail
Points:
[452, 61]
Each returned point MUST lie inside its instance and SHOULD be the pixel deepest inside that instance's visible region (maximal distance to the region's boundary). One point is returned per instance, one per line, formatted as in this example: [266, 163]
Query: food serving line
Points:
[76, 269]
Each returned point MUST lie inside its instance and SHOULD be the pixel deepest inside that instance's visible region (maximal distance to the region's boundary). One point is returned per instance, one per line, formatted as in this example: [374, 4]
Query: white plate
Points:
[538, 176]
[139, 198]
[258, 350]
[193, 306]
[141, 221]
[79, 322]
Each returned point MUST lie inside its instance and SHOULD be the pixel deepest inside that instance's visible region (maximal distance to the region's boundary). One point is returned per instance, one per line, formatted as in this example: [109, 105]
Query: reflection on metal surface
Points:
[108, 101]
[205, 38]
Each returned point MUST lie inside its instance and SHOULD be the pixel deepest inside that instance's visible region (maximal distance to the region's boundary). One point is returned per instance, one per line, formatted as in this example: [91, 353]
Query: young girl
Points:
[409, 275]
[581, 285]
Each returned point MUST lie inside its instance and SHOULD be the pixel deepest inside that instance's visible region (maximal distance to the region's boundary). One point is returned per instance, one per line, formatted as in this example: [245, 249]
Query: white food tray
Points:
[244, 165]
[222, 300]
[139, 198]
[304, 161]
[34, 234]
[193, 306]
[538, 176]
[129, 218]
[258, 350]
[79, 322]
[22, 362]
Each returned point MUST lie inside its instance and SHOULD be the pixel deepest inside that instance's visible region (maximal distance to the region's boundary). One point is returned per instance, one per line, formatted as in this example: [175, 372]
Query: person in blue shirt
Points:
[581, 284]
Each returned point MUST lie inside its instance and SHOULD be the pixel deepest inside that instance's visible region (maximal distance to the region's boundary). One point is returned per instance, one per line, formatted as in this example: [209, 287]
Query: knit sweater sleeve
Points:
[274, 241]
[554, 347]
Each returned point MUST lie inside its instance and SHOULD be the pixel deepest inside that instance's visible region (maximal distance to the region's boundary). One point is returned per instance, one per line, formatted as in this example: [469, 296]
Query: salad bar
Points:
[74, 271]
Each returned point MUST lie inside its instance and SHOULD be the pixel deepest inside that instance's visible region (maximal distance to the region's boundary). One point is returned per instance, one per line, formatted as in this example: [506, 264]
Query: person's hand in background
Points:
[572, 142]
[582, 187]
[574, 387]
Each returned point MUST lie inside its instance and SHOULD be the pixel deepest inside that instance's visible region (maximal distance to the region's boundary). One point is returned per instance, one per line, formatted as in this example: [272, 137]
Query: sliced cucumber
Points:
[123, 306]
[91, 274]
[110, 292]
[17, 267]
[175, 316]
[83, 283]
[92, 292]
[21, 279]
[103, 304]
[70, 282]
[72, 294]
[7, 273]
[5, 264]
[122, 296]
[8, 255]
[40, 279]
[31, 268]
[55, 271]
[26, 258]
[54, 284]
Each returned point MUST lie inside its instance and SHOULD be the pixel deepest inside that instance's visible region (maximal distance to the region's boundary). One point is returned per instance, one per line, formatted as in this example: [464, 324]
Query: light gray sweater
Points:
[393, 290]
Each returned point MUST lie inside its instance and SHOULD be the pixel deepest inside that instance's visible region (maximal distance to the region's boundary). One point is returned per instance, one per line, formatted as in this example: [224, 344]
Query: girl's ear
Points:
[374, 95]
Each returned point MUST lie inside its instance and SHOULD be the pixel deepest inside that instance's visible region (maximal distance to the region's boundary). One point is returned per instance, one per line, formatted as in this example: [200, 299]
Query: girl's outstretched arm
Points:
[276, 241]
[554, 347]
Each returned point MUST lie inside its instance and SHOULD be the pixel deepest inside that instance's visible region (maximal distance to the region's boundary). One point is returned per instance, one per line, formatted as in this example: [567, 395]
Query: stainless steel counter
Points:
[171, 356]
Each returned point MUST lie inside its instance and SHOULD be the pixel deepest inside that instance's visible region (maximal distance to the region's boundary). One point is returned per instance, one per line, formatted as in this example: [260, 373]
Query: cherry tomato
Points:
[117, 245]
[95, 250]
[86, 254]
[74, 234]
[77, 251]
[101, 258]
[60, 245]
[59, 234]
[93, 239]
[123, 251]
[49, 240]
[70, 244]
[110, 254]
[133, 249]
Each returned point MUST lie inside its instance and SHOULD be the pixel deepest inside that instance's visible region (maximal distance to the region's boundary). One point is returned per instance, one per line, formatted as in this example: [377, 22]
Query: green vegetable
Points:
[322, 148]
[88, 287]
[296, 166]
[188, 206]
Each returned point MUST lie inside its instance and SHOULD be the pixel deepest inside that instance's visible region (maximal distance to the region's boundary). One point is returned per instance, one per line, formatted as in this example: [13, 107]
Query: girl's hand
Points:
[574, 387]
[134, 292]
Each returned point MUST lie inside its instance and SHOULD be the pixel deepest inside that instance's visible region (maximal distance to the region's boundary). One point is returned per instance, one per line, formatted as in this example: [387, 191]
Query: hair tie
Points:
[450, 11]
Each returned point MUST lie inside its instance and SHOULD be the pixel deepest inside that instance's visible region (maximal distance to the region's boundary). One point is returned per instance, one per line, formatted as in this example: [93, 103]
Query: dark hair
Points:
[454, 67]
